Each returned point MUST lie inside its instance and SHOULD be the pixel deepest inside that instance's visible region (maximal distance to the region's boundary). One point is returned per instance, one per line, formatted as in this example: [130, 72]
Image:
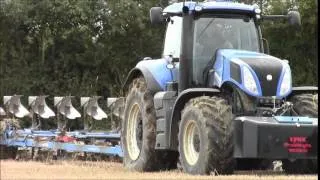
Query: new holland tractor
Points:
[216, 101]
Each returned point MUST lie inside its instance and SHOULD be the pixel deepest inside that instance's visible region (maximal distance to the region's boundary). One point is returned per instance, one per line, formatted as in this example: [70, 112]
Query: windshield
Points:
[212, 33]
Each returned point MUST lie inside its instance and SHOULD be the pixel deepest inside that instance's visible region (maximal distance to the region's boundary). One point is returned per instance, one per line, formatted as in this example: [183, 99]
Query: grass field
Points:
[69, 170]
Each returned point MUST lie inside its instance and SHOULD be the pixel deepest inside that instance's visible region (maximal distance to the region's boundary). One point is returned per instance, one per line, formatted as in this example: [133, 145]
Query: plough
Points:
[59, 139]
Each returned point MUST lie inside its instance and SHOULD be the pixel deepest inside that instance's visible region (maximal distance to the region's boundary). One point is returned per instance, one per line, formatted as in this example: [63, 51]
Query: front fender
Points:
[179, 104]
[303, 89]
[187, 94]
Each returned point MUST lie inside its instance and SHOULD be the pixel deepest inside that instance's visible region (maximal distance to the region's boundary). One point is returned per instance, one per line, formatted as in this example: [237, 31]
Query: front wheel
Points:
[205, 136]
[303, 105]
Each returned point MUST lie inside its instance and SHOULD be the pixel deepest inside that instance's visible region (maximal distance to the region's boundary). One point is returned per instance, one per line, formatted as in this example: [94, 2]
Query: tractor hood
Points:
[255, 73]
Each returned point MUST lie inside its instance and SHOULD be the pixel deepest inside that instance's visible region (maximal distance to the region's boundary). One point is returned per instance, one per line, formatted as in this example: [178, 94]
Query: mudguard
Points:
[155, 73]
[304, 89]
[179, 103]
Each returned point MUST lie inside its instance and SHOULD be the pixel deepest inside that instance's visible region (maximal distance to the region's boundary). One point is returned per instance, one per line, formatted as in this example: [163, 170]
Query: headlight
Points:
[248, 81]
[286, 83]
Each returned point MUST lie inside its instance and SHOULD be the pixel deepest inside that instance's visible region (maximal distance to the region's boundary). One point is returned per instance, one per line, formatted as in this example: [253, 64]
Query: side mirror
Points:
[156, 15]
[294, 18]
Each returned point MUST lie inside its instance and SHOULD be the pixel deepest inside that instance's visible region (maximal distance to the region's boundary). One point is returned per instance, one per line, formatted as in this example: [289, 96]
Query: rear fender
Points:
[154, 72]
[135, 73]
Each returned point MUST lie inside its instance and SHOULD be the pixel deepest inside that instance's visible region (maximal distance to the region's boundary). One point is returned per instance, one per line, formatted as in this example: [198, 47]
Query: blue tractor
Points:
[216, 101]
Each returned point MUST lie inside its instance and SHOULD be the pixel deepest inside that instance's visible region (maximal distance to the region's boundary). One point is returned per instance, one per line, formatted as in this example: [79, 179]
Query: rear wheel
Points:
[139, 128]
[205, 136]
[138, 136]
[303, 105]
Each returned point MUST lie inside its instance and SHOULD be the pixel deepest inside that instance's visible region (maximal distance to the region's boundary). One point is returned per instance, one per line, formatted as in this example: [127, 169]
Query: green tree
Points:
[297, 46]
[73, 47]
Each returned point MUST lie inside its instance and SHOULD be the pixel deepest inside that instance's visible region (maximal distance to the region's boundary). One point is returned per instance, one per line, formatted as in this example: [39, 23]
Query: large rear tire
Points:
[205, 136]
[303, 105]
[138, 135]
[139, 129]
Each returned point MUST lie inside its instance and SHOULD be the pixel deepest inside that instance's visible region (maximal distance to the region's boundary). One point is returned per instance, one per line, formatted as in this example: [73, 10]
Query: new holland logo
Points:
[269, 77]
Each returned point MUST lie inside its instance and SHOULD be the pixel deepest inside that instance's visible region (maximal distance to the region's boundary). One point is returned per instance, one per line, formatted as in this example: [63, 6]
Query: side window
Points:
[173, 37]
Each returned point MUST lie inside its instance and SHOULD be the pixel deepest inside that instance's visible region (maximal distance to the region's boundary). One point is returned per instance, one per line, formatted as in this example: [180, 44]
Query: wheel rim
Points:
[134, 132]
[191, 142]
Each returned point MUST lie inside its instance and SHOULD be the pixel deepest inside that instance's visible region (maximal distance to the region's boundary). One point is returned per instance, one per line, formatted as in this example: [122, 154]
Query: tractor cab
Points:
[196, 30]
[211, 31]
[210, 26]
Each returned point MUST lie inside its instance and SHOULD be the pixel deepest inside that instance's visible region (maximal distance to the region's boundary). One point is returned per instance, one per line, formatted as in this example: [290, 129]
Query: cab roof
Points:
[176, 8]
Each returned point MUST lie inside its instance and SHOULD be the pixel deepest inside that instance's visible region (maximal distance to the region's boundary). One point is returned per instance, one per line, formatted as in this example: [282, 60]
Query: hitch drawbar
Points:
[279, 137]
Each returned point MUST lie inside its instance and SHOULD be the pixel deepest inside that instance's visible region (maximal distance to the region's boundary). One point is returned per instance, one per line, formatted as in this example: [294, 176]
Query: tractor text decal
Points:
[297, 144]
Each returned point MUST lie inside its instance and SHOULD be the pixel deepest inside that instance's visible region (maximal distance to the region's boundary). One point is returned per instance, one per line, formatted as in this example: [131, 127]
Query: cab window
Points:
[173, 37]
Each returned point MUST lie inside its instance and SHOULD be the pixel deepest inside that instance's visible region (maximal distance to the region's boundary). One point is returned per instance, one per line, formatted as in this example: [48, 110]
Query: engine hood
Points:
[268, 71]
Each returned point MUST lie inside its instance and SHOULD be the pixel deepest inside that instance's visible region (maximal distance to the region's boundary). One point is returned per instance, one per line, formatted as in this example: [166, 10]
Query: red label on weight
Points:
[297, 144]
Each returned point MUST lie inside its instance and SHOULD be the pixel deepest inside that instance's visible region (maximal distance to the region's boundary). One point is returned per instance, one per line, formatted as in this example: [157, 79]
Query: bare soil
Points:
[68, 170]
